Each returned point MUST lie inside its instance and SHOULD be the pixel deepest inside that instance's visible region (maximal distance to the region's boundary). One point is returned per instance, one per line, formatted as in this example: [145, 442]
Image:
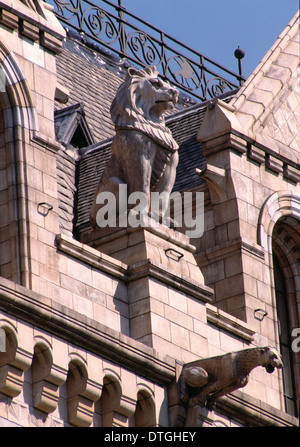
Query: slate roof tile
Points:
[89, 83]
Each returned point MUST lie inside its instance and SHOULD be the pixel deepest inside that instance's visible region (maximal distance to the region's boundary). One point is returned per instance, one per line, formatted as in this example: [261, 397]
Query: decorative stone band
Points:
[139, 270]
[95, 362]
[241, 405]
[229, 323]
[74, 327]
[171, 278]
[30, 25]
[220, 130]
[274, 162]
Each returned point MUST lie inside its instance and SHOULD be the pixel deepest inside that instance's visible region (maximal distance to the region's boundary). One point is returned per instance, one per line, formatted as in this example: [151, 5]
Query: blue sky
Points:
[216, 28]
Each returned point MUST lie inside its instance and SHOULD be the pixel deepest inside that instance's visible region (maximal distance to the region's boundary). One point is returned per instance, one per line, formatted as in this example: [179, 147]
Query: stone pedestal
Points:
[168, 247]
[166, 290]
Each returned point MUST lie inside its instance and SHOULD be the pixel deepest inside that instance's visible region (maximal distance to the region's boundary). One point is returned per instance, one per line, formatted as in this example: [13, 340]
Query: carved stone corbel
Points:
[46, 379]
[116, 406]
[216, 180]
[82, 395]
[46, 391]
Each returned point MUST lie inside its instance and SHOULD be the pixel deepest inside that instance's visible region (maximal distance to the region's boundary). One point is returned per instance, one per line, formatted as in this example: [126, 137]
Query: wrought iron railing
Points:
[142, 44]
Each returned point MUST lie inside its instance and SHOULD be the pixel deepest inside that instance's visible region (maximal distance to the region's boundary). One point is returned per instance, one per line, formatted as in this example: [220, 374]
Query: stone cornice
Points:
[89, 334]
[223, 250]
[170, 278]
[139, 270]
[92, 256]
[229, 323]
[254, 412]
[220, 131]
[261, 149]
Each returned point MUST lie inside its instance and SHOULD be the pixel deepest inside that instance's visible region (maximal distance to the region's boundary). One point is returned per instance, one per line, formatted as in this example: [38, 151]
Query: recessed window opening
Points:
[284, 338]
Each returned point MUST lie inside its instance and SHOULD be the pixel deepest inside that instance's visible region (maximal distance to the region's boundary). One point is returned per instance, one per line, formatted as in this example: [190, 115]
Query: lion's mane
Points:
[129, 110]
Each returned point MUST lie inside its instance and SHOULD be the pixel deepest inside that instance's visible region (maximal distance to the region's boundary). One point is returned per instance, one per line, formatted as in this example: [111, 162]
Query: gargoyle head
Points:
[271, 359]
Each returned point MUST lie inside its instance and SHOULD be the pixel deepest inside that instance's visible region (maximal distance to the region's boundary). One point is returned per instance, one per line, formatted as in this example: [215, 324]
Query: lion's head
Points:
[271, 359]
[140, 104]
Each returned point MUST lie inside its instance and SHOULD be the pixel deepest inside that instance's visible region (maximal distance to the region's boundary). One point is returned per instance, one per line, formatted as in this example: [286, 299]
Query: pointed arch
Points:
[18, 124]
[19, 110]
[279, 234]
[280, 204]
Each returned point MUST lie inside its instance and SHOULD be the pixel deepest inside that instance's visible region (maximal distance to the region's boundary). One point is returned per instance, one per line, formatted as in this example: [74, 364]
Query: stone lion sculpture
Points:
[208, 379]
[144, 155]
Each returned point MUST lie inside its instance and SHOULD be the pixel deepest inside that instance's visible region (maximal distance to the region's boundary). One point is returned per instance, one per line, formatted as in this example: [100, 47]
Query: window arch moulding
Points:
[19, 111]
[19, 121]
[279, 205]
[279, 234]
[16, 103]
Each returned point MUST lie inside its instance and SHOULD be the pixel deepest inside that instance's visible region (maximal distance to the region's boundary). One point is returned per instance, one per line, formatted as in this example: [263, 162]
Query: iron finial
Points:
[239, 54]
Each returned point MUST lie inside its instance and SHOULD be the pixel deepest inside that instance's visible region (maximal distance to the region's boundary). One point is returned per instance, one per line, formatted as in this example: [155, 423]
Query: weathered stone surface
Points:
[208, 379]
[72, 312]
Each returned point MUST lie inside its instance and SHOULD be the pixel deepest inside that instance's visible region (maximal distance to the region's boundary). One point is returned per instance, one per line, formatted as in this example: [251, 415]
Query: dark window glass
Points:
[284, 339]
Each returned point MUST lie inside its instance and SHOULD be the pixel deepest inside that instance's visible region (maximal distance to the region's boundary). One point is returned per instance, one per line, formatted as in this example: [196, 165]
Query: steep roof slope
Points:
[92, 79]
[268, 104]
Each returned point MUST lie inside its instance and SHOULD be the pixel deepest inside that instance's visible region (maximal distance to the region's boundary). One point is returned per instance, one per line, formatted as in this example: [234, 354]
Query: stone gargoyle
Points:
[210, 378]
[144, 155]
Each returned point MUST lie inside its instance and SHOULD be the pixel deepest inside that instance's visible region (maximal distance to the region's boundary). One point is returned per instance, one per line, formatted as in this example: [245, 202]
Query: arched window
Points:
[284, 338]
[279, 234]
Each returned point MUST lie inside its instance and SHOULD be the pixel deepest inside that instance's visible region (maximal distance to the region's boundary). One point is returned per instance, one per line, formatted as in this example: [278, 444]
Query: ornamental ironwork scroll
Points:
[140, 43]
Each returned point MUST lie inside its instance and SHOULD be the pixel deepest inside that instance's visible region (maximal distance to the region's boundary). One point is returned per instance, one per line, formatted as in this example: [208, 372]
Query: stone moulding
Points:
[92, 256]
[278, 205]
[228, 248]
[220, 130]
[228, 323]
[139, 270]
[76, 328]
[36, 25]
[163, 232]
[171, 278]
[256, 413]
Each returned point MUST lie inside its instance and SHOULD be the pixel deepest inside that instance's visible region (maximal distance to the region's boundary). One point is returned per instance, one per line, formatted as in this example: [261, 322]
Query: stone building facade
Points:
[97, 335]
